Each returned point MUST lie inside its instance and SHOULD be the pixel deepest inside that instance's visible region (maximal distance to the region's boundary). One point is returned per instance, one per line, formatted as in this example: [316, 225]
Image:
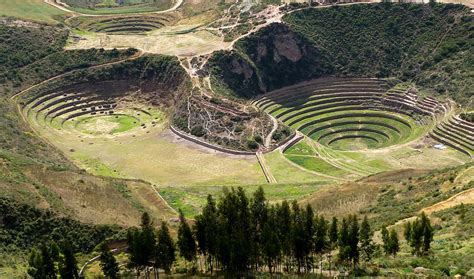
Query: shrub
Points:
[198, 131]
[277, 136]
[252, 144]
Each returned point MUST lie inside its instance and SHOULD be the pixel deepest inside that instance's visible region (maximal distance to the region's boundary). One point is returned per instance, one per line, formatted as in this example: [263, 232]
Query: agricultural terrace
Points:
[132, 24]
[347, 120]
[352, 128]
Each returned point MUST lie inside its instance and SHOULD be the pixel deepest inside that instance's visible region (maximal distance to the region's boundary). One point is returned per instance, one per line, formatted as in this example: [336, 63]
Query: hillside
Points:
[429, 45]
[34, 172]
[392, 198]
[283, 113]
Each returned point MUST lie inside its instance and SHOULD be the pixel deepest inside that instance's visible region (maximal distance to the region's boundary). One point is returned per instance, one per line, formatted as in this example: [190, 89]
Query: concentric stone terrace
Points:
[129, 24]
[456, 133]
[88, 110]
[351, 114]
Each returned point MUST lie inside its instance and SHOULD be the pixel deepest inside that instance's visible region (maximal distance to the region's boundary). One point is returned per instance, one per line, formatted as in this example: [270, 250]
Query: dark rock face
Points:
[269, 59]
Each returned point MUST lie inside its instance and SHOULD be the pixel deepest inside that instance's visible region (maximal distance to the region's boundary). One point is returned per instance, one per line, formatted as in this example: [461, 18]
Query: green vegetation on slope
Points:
[452, 250]
[34, 172]
[23, 45]
[57, 63]
[269, 59]
[429, 44]
[23, 227]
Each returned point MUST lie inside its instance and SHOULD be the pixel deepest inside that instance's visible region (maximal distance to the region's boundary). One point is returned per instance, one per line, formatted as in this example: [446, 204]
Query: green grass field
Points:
[35, 10]
[190, 199]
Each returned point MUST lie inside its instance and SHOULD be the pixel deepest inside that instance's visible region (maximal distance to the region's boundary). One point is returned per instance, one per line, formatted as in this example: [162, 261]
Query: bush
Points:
[277, 136]
[198, 131]
[252, 144]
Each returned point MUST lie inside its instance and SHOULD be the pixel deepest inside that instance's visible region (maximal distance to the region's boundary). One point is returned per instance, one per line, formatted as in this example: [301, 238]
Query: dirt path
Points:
[266, 171]
[461, 175]
[62, 6]
[268, 139]
[465, 197]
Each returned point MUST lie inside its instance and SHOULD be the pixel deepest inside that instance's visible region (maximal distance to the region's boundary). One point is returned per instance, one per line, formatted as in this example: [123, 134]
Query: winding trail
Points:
[465, 197]
[460, 175]
[268, 139]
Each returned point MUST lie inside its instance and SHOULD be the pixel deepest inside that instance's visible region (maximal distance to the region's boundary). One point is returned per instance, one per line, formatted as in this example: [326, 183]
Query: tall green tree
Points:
[164, 255]
[141, 245]
[207, 233]
[35, 264]
[354, 240]
[134, 244]
[321, 241]
[271, 247]
[235, 243]
[421, 235]
[298, 236]
[427, 232]
[309, 232]
[367, 247]
[148, 241]
[259, 215]
[284, 230]
[42, 261]
[68, 263]
[333, 233]
[386, 240]
[394, 243]
[108, 263]
[186, 243]
[407, 231]
[49, 254]
[343, 241]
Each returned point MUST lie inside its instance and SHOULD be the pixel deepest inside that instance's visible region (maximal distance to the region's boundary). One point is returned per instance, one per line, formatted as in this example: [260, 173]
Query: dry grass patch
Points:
[98, 200]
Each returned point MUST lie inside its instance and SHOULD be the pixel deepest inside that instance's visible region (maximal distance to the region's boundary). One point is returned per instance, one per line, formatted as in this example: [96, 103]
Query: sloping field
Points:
[170, 40]
[153, 155]
[35, 10]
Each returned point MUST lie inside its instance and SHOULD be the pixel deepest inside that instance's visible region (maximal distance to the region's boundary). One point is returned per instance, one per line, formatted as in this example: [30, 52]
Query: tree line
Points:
[242, 236]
